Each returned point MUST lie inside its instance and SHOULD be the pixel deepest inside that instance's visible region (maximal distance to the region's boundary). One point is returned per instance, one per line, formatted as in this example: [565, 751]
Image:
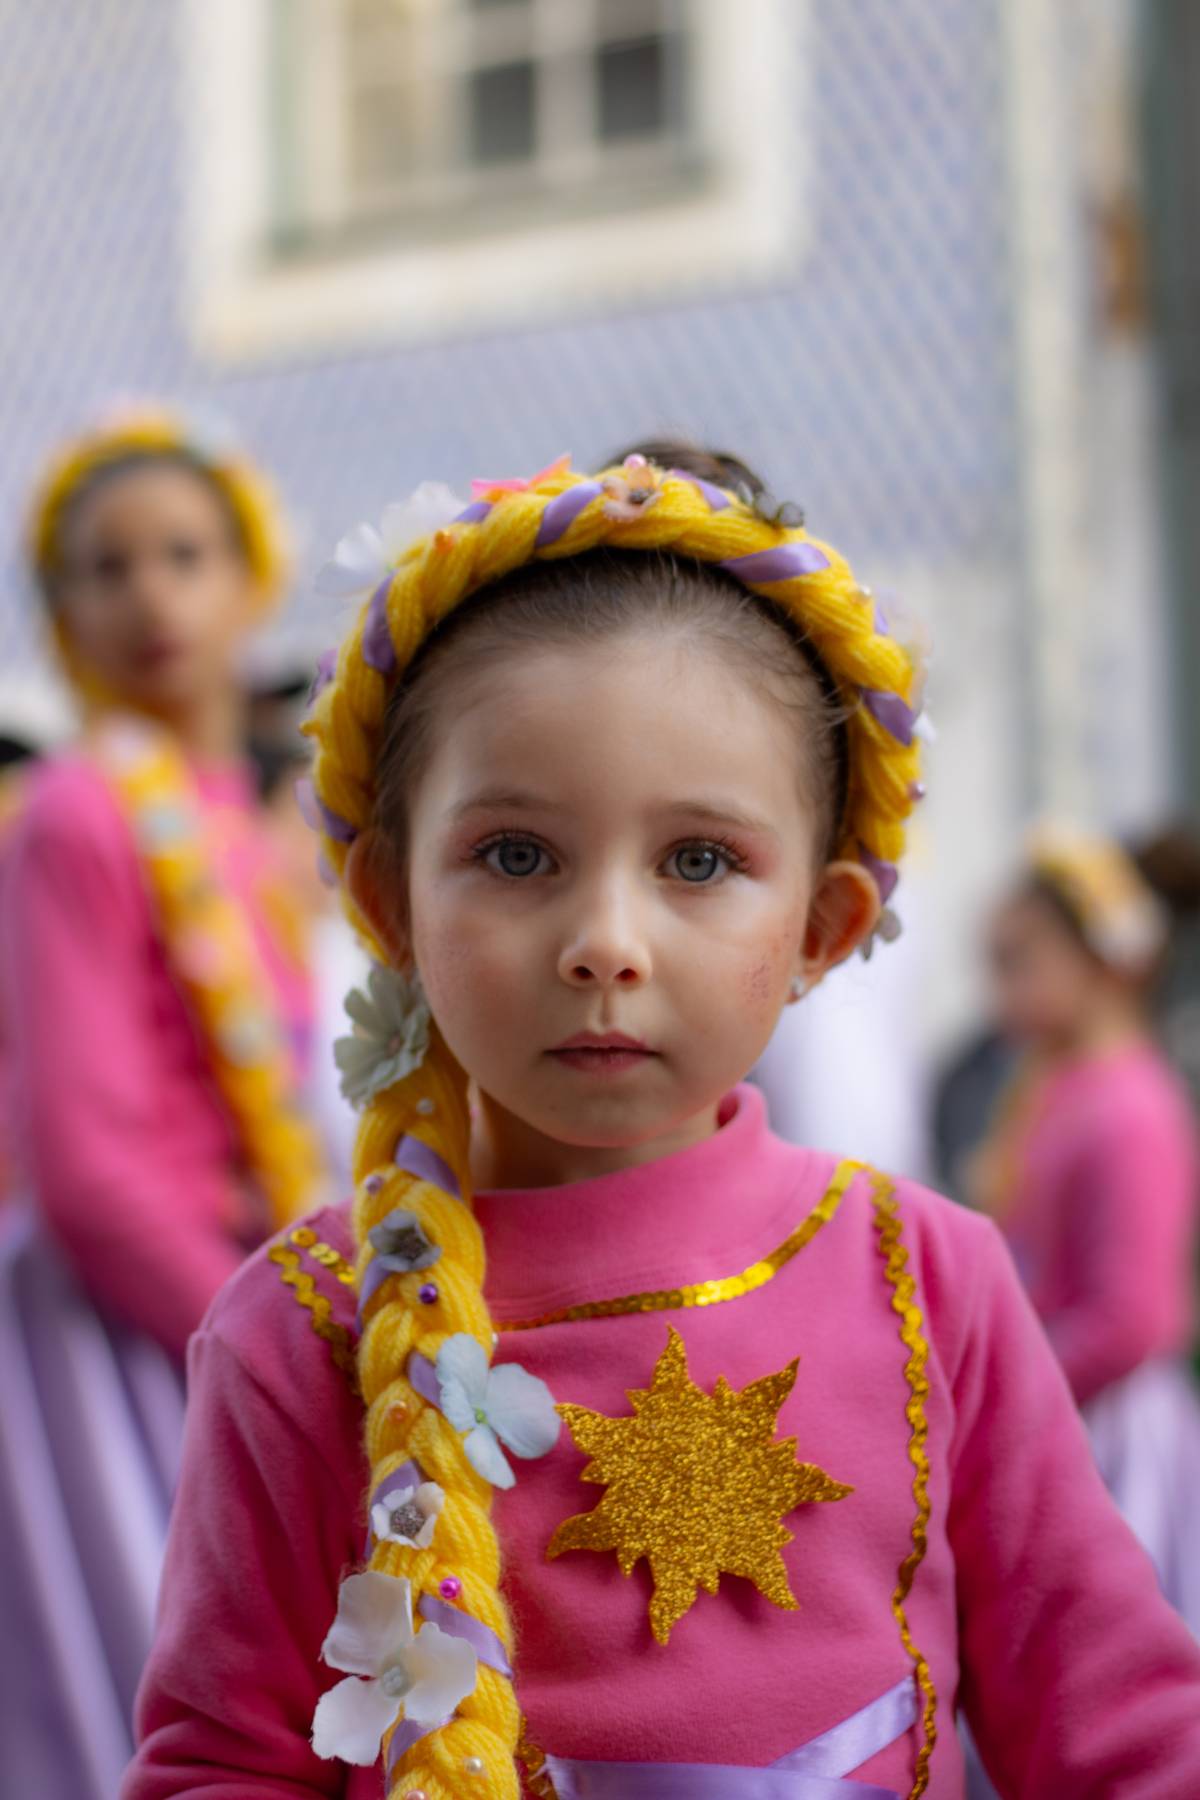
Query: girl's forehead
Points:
[137, 499]
[629, 720]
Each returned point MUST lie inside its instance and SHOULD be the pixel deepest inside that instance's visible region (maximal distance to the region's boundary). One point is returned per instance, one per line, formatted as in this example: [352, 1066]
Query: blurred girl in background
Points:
[156, 1017]
[1091, 1168]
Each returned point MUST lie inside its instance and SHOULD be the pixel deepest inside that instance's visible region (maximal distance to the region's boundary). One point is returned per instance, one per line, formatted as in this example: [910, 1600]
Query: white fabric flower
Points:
[366, 555]
[408, 1515]
[492, 1405]
[391, 1035]
[426, 1674]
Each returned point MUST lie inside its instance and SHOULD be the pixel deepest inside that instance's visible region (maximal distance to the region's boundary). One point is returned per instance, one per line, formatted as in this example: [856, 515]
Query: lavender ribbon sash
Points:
[816, 1771]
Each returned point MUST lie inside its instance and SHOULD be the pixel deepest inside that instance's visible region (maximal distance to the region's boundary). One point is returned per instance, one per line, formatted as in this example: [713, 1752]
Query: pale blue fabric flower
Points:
[391, 1036]
[489, 1406]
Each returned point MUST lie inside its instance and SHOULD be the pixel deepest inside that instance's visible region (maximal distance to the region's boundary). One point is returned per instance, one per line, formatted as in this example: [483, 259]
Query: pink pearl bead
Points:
[450, 1588]
[416, 1794]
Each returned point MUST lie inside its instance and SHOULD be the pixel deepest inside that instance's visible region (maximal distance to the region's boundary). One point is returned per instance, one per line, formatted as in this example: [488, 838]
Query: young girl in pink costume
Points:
[1091, 1172]
[153, 1024]
[608, 1446]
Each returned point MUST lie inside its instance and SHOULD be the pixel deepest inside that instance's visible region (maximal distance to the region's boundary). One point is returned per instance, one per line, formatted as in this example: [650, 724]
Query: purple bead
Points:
[428, 1294]
[374, 1184]
[450, 1588]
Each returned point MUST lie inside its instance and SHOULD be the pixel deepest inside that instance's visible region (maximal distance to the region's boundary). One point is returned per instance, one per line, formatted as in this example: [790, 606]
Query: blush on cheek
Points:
[759, 984]
[463, 965]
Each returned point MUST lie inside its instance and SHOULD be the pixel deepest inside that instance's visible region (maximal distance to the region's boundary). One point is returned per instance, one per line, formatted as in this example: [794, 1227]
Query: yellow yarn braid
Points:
[496, 535]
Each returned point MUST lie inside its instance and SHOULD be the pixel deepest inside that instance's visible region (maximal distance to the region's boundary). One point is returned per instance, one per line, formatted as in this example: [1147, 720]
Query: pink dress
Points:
[1103, 1229]
[130, 1213]
[1036, 1609]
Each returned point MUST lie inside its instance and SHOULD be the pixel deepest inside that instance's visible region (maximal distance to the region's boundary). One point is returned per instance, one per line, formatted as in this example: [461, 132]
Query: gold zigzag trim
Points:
[896, 1273]
[707, 1293]
[340, 1341]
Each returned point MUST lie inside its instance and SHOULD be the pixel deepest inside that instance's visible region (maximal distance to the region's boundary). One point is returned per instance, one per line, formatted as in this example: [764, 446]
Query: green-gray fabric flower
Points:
[391, 1035]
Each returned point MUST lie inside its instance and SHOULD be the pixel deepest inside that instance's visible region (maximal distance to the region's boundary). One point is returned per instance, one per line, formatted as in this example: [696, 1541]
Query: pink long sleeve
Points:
[1076, 1677]
[1131, 1250]
[117, 1130]
[249, 1590]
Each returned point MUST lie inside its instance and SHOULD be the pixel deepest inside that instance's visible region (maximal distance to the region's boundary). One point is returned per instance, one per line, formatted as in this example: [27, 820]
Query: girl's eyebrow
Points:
[709, 811]
[504, 800]
[718, 812]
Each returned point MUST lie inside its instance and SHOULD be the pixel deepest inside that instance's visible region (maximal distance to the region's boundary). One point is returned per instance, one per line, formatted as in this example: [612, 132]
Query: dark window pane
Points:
[636, 84]
[502, 113]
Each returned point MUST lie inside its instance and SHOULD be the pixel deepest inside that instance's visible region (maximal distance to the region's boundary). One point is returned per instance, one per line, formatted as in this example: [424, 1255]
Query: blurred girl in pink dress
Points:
[1091, 1171]
[155, 1023]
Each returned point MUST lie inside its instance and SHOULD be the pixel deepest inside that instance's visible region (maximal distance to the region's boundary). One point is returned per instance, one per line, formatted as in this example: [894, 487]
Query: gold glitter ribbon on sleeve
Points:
[904, 1287]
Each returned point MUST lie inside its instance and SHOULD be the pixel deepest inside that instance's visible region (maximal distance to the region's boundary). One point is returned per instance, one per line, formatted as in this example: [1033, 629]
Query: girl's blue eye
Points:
[697, 863]
[515, 857]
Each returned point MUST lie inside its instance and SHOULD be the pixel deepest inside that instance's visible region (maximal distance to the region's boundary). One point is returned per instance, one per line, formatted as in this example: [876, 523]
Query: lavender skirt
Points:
[91, 1425]
[1145, 1433]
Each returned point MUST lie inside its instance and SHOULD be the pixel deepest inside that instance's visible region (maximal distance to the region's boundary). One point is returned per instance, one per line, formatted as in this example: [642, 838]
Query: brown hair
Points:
[595, 597]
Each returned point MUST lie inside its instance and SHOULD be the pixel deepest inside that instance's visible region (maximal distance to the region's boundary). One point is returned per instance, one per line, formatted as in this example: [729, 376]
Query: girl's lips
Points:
[601, 1040]
[600, 1060]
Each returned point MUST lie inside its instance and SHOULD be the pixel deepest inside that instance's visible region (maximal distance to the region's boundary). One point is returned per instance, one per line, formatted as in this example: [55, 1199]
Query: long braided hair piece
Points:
[634, 506]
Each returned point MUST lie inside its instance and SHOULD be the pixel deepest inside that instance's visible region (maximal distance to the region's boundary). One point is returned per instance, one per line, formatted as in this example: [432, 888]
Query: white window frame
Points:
[746, 226]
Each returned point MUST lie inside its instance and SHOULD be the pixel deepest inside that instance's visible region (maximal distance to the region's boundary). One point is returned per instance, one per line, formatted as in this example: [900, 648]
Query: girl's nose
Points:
[605, 949]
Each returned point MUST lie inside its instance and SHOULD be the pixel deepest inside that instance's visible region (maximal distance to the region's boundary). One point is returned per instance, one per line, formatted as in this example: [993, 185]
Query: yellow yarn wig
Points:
[632, 506]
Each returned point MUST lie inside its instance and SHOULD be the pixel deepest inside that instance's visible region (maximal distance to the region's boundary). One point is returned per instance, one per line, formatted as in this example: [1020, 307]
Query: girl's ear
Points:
[844, 909]
[374, 880]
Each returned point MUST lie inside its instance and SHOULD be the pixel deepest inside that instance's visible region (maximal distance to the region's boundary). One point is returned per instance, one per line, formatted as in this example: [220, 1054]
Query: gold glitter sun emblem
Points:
[696, 1484]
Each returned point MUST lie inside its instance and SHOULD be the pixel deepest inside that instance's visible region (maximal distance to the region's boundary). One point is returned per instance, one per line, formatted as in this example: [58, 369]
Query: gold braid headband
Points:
[631, 507]
[159, 432]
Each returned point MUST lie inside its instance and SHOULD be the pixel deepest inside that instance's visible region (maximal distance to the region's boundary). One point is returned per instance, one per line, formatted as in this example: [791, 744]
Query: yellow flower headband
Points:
[1121, 920]
[160, 432]
[632, 506]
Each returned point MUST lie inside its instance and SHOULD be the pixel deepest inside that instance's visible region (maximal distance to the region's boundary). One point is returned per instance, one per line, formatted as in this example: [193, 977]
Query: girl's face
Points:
[155, 594]
[1044, 981]
[610, 892]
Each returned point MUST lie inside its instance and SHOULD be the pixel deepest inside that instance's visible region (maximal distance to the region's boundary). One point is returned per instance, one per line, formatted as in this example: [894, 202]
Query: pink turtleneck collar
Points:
[705, 1211]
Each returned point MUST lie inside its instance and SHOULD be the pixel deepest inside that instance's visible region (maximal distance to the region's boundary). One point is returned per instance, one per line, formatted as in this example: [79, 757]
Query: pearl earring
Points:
[798, 988]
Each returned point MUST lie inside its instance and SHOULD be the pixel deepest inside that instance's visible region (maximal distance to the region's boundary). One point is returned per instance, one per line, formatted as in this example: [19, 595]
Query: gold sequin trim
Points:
[533, 1761]
[896, 1273]
[707, 1293]
[341, 1344]
[325, 1254]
